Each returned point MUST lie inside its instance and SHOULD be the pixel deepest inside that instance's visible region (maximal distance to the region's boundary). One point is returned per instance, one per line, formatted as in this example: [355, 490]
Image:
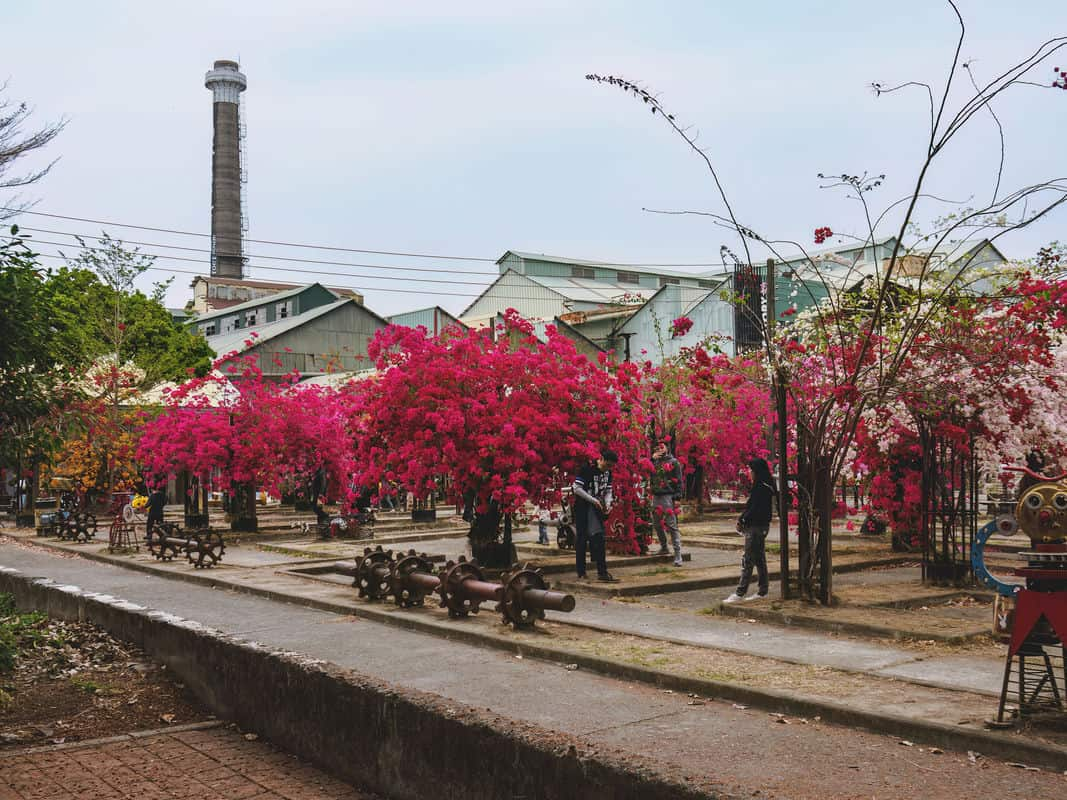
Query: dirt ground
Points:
[73, 682]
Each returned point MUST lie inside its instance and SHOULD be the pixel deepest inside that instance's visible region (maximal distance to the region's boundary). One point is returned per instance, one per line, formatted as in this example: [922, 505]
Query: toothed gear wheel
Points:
[165, 541]
[408, 593]
[516, 581]
[205, 549]
[372, 573]
[450, 590]
[84, 526]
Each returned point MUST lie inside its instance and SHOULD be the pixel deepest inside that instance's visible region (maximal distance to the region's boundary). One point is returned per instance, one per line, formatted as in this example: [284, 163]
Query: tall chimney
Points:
[226, 83]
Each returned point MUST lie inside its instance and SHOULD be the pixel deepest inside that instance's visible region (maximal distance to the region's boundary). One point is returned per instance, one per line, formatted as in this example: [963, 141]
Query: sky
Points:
[466, 128]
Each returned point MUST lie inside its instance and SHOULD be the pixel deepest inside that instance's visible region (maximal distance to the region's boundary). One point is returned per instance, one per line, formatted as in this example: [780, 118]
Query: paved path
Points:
[736, 746]
[213, 764]
[800, 646]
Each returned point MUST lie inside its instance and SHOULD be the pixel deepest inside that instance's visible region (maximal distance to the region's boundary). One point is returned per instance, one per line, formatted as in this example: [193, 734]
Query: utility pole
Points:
[779, 447]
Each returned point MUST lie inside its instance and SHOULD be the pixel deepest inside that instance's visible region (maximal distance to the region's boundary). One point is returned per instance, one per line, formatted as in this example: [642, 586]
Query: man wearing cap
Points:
[666, 486]
[592, 504]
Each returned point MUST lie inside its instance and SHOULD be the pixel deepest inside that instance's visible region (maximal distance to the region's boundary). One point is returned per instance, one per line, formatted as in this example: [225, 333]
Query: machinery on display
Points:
[521, 595]
[203, 548]
[1031, 616]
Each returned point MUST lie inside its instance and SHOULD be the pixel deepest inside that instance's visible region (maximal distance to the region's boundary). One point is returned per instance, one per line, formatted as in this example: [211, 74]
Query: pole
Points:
[783, 485]
[768, 335]
[779, 447]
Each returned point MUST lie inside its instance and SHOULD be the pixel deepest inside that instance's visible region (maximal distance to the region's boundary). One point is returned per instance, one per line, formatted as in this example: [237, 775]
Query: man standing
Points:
[666, 485]
[592, 504]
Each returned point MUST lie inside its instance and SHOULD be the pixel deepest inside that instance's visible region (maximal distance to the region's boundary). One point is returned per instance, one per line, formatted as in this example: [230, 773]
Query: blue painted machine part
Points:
[978, 562]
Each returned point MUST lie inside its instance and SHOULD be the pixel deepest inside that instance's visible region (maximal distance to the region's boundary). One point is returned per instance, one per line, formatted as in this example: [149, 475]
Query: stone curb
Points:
[397, 741]
[1005, 745]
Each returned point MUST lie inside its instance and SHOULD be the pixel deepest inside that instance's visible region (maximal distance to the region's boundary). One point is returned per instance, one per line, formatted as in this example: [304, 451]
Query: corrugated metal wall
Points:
[651, 326]
[334, 342]
[520, 293]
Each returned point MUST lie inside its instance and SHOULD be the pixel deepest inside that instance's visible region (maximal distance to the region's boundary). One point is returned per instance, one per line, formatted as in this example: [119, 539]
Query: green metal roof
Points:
[248, 305]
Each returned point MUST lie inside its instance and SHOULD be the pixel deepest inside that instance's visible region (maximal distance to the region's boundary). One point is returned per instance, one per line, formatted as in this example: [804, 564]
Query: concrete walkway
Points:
[798, 646]
[718, 740]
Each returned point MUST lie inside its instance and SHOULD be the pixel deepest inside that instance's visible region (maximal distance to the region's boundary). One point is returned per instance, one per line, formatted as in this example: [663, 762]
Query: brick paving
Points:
[212, 764]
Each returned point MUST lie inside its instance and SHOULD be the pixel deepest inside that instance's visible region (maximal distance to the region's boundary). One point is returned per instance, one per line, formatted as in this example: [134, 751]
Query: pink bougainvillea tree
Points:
[987, 378]
[715, 408]
[235, 431]
[498, 417]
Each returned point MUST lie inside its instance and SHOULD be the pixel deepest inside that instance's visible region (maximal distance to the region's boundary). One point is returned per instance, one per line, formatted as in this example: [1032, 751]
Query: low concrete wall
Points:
[399, 742]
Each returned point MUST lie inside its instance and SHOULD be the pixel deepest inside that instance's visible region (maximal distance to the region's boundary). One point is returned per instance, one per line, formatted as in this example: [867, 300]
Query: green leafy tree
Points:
[100, 313]
[31, 376]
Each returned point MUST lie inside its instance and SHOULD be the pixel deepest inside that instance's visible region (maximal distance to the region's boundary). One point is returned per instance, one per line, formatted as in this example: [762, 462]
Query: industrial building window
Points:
[706, 284]
[583, 272]
[669, 281]
[250, 318]
[627, 277]
[283, 309]
[209, 330]
[236, 323]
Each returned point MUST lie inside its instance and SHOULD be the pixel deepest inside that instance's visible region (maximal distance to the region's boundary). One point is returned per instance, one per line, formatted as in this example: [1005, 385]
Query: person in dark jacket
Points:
[156, 501]
[754, 522]
[592, 504]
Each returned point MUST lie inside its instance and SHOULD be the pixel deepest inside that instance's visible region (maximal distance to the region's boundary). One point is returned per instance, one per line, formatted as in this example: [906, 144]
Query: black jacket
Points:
[757, 511]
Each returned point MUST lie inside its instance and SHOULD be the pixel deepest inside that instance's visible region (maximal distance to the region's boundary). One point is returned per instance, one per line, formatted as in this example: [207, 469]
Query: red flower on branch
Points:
[822, 234]
[680, 327]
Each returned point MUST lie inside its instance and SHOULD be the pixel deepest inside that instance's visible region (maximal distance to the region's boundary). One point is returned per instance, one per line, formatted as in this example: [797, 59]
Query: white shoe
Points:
[733, 598]
[755, 597]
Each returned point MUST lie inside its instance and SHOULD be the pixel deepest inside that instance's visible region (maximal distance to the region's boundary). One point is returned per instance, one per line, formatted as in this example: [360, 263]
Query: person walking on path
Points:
[666, 485]
[754, 523]
[592, 504]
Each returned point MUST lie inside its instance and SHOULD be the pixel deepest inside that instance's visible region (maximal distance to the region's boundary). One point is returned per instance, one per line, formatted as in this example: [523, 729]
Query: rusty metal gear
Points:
[412, 579]
[165, 541]
[457, 579]
[84, 526]
[205, 548]
[526, 596]
[372, 573]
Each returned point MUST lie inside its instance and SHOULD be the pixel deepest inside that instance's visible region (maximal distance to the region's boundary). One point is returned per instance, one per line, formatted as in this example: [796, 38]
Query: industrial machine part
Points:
[412, 579]
[372, 573]
[527, 596]
[204, 548]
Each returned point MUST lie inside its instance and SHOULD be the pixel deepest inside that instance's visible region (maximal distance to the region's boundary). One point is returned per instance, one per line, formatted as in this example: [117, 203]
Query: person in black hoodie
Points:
[754, 523]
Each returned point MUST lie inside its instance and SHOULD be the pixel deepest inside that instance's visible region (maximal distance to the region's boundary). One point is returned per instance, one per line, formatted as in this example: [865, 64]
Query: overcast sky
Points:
[466, 127]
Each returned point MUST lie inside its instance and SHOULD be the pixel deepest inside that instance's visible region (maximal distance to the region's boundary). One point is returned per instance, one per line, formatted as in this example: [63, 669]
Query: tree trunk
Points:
[196, 510]
[486, 545]
[243, 507]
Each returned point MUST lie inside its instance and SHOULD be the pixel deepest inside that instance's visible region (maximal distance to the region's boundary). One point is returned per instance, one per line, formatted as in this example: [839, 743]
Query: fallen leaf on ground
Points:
[906, 743]
[251, 736]
[168, 718]
[738, 705]
[571, 667]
